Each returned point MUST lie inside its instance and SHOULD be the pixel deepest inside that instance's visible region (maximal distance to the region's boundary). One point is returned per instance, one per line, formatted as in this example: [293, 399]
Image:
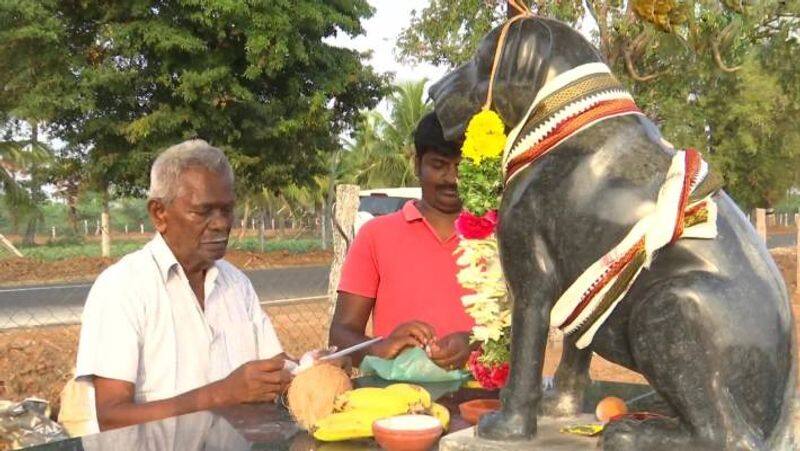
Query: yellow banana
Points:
[441, 413]
[352, 424]
[356, 410]
[371, 398]
[417, 398]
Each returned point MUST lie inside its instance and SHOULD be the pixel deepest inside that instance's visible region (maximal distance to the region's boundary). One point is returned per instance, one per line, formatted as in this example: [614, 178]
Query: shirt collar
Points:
[166, 261]
[162, 254]
[410, 211]
[411, 214]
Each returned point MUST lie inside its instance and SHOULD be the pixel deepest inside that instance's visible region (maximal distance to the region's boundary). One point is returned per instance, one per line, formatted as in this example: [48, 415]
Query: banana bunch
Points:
[356, 410]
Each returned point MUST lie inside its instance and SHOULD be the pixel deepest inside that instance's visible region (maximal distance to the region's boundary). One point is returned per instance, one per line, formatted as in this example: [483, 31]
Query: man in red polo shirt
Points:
[401, 268]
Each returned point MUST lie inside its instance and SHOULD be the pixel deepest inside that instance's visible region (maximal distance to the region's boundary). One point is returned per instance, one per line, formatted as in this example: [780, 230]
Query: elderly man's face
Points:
[197, 223]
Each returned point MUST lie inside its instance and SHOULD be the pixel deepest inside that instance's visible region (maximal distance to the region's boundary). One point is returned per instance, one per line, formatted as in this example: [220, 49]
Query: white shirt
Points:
[142, 324]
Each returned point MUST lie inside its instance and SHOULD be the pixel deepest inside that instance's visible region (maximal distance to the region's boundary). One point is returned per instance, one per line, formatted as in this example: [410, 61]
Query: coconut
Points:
[312, 392]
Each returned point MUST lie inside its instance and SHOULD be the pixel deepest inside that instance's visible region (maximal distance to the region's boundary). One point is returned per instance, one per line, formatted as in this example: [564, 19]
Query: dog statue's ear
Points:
[521, 72]
[524, 69]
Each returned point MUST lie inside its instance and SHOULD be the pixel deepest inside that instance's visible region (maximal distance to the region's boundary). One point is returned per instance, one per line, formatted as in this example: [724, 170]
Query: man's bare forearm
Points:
[343, 337]
[127, 413]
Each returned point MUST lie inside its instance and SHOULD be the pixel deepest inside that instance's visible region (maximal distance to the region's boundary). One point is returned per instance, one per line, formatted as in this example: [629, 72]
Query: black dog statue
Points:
[708, 323]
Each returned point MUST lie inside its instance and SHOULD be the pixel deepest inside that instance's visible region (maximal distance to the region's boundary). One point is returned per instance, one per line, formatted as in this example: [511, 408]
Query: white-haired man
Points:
[172, 328]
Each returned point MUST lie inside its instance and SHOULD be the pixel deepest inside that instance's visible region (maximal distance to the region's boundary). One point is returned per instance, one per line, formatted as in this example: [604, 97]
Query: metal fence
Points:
[40, 326]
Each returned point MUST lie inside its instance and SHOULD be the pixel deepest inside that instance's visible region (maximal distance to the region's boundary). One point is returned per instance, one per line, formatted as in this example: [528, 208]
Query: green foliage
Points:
[717, 76]
[446, 32]
[436, 35]
[497, 352]
[789, 204]
[73, 248]
[120, 80]
[753, 144]
[480, 185]
[124, 211]
[382, 151]
[292, 246]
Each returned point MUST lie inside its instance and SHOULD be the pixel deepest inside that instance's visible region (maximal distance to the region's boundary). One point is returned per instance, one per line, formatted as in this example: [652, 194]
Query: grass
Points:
[294, 246]
[65, 249]
[61, 251]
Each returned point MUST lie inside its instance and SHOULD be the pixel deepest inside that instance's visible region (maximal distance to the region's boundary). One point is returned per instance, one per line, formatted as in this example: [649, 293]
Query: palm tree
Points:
[382, 152]
[18, 157]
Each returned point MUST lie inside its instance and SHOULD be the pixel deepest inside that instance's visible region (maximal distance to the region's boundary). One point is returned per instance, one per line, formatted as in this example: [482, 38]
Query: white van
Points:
[382, 201]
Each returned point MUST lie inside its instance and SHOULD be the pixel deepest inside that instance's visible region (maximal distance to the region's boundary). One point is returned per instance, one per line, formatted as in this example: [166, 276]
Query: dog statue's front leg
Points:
[531, 281]
[571, 380]
[521, 395]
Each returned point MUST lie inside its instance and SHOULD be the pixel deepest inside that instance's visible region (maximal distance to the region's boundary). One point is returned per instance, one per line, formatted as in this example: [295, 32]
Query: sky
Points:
[382, 31]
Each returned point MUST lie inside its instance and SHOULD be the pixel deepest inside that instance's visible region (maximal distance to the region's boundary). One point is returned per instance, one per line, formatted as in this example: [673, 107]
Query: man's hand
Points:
[406, 335]
[256, 381]
[259, 380]
[452, 351]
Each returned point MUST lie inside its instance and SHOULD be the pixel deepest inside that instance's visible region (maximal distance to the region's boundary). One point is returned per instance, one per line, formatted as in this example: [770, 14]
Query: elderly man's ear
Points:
[158, 213]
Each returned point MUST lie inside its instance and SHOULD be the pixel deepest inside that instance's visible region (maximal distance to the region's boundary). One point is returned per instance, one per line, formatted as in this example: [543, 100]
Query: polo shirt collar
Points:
[411, 214]
[410, 211]
[166, 261]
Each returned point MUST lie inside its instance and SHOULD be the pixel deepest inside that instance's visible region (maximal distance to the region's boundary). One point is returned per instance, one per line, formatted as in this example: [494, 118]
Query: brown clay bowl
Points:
[407, 432]
[472, 411]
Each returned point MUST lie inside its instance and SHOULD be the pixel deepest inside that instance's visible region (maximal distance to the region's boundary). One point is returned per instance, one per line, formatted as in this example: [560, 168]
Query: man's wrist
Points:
[215, 395]
[373, 349]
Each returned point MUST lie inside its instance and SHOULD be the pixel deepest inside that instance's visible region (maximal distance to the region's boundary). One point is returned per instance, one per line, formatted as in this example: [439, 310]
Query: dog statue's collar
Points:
[574, 101]
[685, 208]
[567, 104]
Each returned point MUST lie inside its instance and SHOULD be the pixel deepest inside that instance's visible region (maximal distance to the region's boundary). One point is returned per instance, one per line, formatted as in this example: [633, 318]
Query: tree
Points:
[17, 157]
[640, 37]
[32, 85]
[257, 79]
[694, 66]
[21, 161]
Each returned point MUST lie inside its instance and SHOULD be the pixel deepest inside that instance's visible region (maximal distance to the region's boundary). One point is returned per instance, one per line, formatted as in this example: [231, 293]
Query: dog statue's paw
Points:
[506, 426]
[560, 404]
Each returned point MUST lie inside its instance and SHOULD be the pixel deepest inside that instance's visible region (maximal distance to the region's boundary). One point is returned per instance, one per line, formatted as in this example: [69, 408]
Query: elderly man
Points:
[172, 328]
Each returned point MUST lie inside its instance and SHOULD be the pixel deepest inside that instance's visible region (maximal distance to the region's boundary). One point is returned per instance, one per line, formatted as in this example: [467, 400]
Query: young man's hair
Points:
[428, 137]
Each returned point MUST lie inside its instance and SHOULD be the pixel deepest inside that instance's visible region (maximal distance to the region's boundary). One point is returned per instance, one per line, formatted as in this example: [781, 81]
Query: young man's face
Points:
[438, 177]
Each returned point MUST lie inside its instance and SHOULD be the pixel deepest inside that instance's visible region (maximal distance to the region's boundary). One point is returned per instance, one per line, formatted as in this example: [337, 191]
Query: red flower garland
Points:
[474, 227]
[491, 377]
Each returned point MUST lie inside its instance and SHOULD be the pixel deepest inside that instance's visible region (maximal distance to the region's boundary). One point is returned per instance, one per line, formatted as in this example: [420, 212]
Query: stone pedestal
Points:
[549, 437]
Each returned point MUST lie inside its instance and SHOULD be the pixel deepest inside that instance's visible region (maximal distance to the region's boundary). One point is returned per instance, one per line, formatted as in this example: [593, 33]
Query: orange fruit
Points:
[609, 407]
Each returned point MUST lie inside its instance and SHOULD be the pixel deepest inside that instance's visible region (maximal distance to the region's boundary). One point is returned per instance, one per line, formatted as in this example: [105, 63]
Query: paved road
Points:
[56, 304]
[782, 240]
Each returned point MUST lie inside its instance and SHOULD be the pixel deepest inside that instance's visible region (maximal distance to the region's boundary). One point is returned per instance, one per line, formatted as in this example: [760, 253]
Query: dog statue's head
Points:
[535, 51]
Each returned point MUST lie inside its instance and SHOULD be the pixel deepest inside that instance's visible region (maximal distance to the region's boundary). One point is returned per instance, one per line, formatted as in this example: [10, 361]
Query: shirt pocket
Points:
[240, 343]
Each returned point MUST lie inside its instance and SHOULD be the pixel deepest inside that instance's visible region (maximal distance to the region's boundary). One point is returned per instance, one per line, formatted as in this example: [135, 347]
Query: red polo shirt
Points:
[399, 261]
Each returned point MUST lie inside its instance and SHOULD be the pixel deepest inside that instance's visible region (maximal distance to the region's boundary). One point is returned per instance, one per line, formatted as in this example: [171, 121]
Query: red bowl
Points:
[407, 432]
[472, 411]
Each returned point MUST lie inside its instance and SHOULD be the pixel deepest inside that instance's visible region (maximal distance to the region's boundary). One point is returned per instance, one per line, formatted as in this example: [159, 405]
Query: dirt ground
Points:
[20, 271]
[37, 362]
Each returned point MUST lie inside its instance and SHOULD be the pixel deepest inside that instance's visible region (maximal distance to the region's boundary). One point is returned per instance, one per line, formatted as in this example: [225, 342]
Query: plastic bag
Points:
[27, 424]
[411, 365]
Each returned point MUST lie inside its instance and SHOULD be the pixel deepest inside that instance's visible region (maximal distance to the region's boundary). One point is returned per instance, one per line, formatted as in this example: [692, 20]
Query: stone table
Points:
[270, 426]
